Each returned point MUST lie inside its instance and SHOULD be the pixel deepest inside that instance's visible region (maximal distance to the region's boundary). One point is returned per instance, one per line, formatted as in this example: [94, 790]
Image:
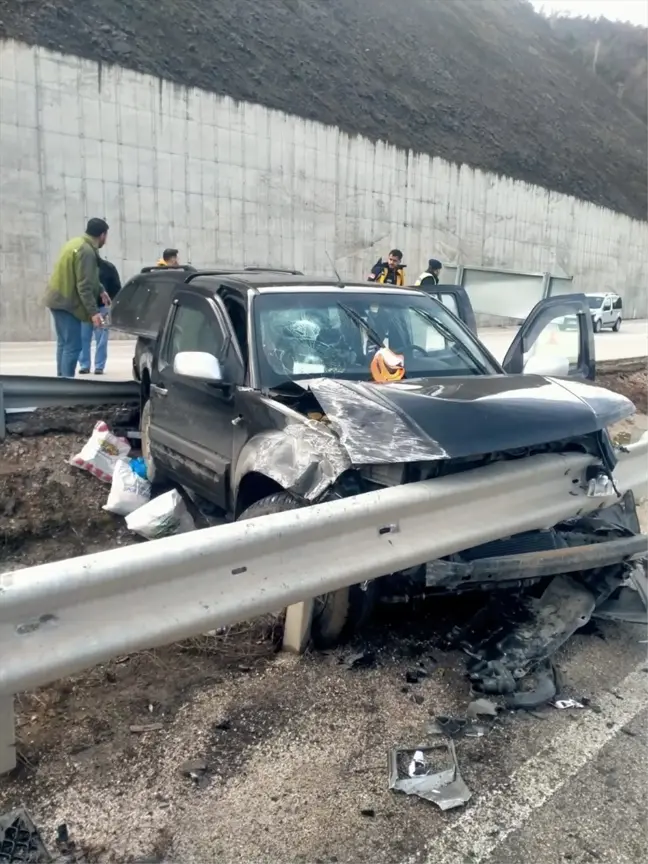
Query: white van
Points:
[606, 310]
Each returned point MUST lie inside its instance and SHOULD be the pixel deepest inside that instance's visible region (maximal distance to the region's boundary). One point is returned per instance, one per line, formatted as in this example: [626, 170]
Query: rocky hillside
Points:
[614, 51]
[485, 83]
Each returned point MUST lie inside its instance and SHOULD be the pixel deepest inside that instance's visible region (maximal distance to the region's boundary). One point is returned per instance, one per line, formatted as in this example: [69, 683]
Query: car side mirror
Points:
[198, 365]
[552, 365]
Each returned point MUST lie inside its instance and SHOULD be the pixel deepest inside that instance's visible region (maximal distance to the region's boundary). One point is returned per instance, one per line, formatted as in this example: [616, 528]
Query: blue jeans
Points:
[68, 342]
[101, 344]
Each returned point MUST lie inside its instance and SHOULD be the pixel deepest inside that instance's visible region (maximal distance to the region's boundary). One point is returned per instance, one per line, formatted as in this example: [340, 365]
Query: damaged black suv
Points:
[266, 391]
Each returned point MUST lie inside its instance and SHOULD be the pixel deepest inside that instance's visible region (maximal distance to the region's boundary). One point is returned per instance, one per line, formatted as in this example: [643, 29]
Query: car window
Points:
[618, 303]
[336, 334]
[594, 302]
[608, 304]
[194, 329]
[450, 302]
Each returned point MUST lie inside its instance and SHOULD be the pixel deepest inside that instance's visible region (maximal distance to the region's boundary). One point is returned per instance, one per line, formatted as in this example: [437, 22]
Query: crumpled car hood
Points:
[446, 418]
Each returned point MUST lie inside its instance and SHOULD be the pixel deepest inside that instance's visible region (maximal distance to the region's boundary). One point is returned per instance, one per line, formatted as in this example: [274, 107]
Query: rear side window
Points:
[618, 303]
[448, 300]
[194, 330]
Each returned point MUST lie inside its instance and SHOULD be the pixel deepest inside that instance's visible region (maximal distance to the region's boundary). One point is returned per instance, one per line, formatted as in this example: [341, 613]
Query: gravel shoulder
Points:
[292, 751]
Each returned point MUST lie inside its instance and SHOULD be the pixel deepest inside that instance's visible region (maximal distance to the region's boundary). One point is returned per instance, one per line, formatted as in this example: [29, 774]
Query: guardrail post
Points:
[7, 735]
[546, 285]
[3, 422]
[297, 627]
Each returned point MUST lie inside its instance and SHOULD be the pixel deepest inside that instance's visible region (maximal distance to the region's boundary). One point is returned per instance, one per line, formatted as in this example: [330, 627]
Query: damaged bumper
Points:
[514, 570]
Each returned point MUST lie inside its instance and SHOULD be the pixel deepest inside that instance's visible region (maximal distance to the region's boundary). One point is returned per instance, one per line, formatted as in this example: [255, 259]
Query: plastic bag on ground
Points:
[100, 453]
[161, 517]
[129, 490]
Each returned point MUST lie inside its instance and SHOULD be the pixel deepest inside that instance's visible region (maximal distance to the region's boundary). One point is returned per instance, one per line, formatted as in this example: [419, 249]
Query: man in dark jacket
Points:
[73, 293]
[391, 271]
[111, 284]
[432, 275]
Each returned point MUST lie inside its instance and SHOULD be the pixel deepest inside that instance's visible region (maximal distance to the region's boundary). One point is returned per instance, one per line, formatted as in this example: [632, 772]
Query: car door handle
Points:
[159, 391]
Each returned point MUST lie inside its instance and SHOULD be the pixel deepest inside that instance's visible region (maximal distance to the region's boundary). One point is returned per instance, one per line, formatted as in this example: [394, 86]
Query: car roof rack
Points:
[273, 270]
[241, 271]
[187, 268]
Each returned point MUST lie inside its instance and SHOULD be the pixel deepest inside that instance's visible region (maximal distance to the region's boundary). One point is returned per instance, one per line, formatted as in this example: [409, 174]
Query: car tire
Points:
[617, 325]
[338, 614]
[598, 326]
[152, 473]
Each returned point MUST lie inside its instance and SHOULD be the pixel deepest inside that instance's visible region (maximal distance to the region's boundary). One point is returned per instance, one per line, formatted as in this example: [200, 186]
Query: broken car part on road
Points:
[431, 773]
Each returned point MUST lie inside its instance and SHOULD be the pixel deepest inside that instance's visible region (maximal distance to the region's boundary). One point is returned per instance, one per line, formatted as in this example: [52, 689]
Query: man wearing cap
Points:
[169, 259]
[74, 294]
[431, 275]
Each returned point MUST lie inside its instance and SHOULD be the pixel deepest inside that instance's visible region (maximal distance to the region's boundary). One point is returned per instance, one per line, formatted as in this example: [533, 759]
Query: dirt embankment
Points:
[628, 377]
[484, 83]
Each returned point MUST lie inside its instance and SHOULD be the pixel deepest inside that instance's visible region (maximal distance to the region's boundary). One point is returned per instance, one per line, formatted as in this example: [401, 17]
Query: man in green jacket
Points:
[74, 294]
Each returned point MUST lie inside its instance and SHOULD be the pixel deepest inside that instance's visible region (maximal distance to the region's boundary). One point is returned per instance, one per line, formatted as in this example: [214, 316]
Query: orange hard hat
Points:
[387, 366]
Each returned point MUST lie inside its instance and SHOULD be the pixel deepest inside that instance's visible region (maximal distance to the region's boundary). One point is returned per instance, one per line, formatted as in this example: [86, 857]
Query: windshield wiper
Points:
[359, 320]
[449, 335]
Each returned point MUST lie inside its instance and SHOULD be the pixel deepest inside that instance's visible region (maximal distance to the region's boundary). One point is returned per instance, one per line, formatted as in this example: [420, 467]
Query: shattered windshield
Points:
[337, 333]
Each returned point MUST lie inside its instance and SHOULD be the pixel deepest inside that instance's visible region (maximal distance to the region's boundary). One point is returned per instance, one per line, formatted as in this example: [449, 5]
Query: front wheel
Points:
[598, 326]
[152, 473]
[338, 614]
[617, 325]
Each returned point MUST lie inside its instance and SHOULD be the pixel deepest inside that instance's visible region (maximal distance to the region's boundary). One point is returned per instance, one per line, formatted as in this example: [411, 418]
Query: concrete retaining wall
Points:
[236, 183]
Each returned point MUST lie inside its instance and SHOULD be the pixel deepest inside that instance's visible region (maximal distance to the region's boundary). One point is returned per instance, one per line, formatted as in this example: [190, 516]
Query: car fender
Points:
[304, 457]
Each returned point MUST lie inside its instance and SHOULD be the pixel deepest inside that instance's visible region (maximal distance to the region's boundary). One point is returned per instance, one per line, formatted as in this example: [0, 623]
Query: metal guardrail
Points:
[56, 620]
[23, 394]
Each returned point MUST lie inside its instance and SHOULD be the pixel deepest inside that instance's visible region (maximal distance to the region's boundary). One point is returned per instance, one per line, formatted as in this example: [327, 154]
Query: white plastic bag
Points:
[101, 452]
[128, 491]
[161, 517]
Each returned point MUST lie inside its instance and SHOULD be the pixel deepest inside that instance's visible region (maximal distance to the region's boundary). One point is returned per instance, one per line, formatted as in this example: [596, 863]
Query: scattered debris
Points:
[482, 708]
[368, 811]
[418, 698]
[413, 676]
[457, 727]
[626, 605]
[163, 516]
[628, 731]
[20, 840]
[360, 660]
[544, 691]
[147, 727]
[431, 773]
[69, 853]
[129, 490]
[101, 453]
[193, 768]
[562, 704]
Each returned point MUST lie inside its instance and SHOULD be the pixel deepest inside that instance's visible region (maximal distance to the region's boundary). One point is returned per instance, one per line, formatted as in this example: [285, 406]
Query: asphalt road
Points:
[37, 358]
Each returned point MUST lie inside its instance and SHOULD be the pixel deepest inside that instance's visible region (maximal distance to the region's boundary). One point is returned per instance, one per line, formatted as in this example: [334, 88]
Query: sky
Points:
[635, 11]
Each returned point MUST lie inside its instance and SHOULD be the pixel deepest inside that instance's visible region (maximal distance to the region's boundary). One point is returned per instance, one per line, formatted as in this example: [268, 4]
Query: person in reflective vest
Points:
[169, 259]
[431, 275]
[391, 271]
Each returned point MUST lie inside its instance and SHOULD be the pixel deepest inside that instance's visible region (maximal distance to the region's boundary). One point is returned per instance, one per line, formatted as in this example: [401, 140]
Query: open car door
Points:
[557, 338]
[454, 298]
